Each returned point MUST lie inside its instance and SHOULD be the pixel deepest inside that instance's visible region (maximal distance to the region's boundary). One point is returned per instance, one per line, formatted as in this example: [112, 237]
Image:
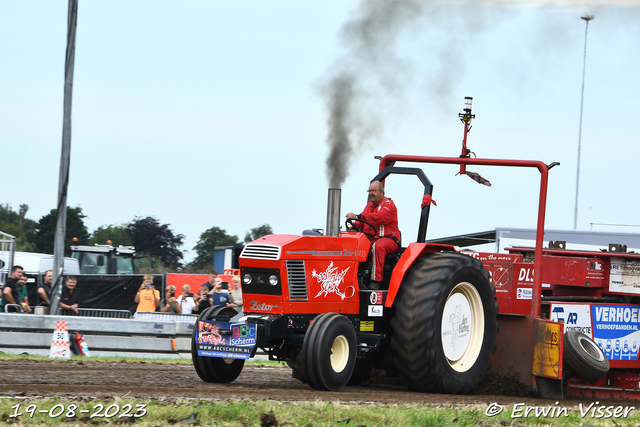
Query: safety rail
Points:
[98, 312]
[13, 308]
[128, 337]
[158, 315]
[7, 253]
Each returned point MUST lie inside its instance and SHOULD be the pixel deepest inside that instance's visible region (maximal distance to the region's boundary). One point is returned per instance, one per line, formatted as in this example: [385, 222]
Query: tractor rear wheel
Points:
[215, 369]
[445, 324]
[329, 352]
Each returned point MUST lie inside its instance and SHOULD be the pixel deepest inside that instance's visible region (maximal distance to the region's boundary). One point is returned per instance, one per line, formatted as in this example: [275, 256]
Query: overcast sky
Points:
[216, 113]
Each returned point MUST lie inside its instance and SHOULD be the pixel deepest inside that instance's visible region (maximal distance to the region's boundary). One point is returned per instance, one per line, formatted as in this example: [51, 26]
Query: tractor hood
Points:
[348, 246]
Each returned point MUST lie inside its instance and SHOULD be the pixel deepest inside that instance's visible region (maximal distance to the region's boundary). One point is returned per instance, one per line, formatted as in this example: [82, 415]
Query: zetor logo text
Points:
[257, 306]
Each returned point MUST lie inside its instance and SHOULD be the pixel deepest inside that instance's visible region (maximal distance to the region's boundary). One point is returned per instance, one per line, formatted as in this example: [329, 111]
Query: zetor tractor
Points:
[307, 301]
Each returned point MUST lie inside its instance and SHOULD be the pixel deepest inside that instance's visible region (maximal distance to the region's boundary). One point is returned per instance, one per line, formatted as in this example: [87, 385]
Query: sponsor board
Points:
[546, 351]
[624, 276]
[375, 311]
[524, 293]
[574, 316]
[225, 339]
[615, 328]
[375, 298]
[366, 325]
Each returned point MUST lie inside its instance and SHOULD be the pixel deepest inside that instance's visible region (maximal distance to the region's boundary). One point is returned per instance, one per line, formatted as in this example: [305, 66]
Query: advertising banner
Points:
[615, 328]
[225, 339]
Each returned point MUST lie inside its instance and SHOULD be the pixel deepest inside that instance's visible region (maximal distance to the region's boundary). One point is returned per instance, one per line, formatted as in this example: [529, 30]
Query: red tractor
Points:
[434, 323]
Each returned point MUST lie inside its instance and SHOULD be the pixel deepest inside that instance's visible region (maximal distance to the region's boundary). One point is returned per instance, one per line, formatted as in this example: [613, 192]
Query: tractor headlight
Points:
[258, 280]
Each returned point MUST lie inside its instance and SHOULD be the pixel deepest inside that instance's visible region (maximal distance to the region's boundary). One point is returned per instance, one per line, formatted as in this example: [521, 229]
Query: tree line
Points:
[148, 235]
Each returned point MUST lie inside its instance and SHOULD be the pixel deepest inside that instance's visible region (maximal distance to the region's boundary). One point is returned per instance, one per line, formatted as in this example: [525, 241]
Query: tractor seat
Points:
[392, 259]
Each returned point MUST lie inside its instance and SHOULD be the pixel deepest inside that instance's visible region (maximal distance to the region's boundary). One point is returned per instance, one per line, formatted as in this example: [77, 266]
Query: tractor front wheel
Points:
[445, 324]
[329, 352]
[215, 369]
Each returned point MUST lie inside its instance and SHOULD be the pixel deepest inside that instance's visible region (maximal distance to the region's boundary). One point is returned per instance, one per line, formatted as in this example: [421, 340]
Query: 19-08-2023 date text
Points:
[70, 411]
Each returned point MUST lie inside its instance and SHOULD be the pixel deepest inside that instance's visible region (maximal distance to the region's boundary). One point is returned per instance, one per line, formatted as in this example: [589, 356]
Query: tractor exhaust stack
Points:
[333, 212]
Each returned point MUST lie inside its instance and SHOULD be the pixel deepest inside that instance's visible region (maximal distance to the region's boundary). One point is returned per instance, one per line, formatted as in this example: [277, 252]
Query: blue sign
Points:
[616, 329]
[225, 339]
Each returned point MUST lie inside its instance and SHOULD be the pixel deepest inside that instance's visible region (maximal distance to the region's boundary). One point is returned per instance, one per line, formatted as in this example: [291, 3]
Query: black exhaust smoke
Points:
[365, 80]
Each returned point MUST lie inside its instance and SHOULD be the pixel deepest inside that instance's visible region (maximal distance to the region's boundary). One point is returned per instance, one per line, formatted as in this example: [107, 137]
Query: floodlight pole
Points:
[587, 18]
[63, 181]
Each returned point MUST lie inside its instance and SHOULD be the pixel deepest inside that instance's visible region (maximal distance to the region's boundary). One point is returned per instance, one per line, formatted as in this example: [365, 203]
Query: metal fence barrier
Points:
[33, 333]
[163, 317]
[98, 312]
[109, 313]
[13, 308]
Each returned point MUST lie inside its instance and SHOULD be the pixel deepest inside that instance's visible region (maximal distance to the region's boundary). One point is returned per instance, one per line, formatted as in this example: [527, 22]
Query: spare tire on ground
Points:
[584, 356]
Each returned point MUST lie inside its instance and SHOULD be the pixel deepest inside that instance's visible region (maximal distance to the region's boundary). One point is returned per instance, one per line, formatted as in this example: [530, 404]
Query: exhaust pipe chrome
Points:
[333, 212]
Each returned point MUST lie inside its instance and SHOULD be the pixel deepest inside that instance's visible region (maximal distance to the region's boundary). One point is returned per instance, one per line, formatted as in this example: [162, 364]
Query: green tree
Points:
[46, 229]
[152, 238]
[215, 236]
[117, 233]
[258, 232]
[19, 226]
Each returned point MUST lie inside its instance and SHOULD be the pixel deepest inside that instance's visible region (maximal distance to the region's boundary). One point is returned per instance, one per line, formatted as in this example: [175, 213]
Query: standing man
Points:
[10, 294]
[23, 290]
[211, 283]
[147, 297]
[381, 212]
[70, 295]
[170, 304]
[44, 290]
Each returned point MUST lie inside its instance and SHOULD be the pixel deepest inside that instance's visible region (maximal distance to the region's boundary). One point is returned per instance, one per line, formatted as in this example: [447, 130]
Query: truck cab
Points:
[104, 259]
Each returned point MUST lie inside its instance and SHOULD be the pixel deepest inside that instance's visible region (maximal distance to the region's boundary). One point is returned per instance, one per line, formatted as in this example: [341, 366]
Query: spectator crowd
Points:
[14, 295]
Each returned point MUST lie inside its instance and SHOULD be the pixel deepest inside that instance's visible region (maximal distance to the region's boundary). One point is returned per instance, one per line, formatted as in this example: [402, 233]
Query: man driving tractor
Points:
[385, 236]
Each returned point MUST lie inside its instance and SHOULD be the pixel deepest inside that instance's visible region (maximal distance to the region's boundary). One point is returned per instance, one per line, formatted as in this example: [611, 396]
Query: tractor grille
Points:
[297, 281]
[261, 252]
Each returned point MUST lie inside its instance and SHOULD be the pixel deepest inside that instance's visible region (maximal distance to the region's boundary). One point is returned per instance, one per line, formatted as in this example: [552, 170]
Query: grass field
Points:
[34, 411]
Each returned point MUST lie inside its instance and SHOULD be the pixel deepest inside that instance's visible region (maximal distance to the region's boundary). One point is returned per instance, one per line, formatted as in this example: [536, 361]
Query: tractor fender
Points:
[413, 252]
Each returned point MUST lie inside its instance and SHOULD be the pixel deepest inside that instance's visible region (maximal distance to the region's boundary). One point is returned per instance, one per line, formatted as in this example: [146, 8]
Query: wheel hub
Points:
[462, 326]
[339, 353]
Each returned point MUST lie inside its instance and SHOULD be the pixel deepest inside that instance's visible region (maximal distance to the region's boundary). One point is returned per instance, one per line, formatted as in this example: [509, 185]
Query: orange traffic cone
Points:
[60, 341]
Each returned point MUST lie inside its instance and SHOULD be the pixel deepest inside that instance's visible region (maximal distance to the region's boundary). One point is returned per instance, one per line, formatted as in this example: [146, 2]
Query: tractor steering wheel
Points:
[351, 226]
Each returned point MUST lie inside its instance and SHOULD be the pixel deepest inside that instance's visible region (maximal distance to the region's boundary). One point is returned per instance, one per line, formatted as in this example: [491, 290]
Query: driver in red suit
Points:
[382, 213]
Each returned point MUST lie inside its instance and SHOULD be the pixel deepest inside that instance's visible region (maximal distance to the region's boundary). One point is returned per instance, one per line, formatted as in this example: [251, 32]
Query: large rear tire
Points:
[445, 324]
[215, 369]
[329, 352]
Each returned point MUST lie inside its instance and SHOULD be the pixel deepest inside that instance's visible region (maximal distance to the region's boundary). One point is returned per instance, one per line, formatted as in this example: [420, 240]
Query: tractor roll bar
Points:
[391, 159]
[428, 189]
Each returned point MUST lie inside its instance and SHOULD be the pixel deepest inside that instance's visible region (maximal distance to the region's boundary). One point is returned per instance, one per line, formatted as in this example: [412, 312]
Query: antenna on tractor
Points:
[465, 118]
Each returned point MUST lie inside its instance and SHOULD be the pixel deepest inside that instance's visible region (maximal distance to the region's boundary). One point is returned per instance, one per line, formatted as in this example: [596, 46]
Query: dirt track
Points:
[76, 379]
